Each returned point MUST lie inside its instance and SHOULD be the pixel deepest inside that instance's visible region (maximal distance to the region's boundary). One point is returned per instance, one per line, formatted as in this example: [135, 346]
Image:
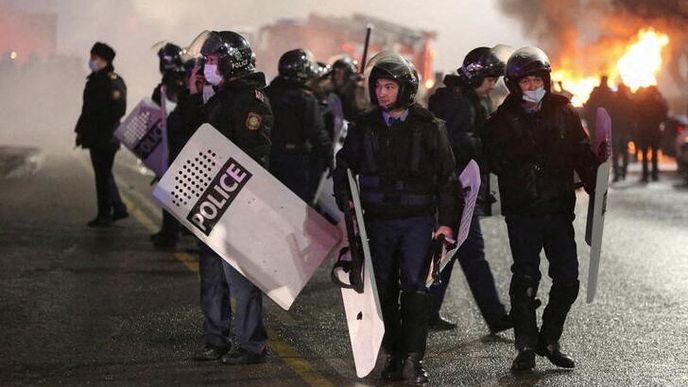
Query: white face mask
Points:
[93, 65]
[534, 96]
[211, 75]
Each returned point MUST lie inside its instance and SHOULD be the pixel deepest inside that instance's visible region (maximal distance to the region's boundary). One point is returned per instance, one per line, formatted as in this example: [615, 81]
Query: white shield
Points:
[470, 182]
[324, 194]
[597, 206]
[363, 313]
[144, 133]
[232, 204]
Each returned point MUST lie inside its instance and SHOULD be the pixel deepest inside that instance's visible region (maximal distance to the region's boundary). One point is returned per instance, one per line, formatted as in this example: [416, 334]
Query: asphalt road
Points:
[103, 307]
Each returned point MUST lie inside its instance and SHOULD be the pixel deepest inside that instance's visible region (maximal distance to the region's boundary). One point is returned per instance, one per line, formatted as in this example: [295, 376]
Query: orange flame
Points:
[643, 60]
[637, 67]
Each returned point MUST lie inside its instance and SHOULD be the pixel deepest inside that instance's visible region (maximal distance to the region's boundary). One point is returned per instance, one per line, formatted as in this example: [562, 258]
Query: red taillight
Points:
[680, 129]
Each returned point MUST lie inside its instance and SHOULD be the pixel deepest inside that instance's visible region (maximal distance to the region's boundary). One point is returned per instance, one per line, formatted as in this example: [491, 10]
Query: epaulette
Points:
[260, 96]
[113, 76]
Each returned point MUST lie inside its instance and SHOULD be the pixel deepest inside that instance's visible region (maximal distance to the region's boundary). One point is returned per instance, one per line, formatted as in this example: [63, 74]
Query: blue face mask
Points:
[534, 96]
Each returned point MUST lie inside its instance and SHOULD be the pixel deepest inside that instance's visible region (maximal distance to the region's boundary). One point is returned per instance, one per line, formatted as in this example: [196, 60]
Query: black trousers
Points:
[107, 194]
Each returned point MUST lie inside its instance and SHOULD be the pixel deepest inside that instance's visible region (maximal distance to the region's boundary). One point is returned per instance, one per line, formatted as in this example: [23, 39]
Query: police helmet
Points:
[236, 58]
[478, 64]
[297, 65]
[527, 61]
[170, 56]
[392, 66]
[347, 64]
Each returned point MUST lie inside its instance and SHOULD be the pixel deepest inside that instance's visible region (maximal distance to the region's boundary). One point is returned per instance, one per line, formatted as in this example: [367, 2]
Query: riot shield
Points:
[361, 306]
[250, 219]
[323, 200]
[144, 133]
[597, 205]
[470, 181]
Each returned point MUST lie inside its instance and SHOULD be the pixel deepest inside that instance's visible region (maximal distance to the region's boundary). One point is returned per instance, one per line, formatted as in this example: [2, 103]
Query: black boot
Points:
[439, 323]
[561, 297]
[553, 353]
[523, 290]
[499, 324]
[413, 371]
[392, 368]
[415, 322]
[389, 305]
[524, 361]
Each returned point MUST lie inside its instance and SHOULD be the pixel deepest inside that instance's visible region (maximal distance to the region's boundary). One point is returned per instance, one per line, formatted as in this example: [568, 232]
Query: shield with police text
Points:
[144, 133]
[250, 219]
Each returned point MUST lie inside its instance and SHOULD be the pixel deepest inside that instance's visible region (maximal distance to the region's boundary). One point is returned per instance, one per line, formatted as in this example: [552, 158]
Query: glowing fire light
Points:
[642, 60]
[580, 87]
[637, 67]
[13, 55]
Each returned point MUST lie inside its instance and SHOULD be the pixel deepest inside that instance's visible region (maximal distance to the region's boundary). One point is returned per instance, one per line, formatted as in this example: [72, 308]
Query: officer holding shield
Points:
[409, 191]
[241, 112]
[534, 143]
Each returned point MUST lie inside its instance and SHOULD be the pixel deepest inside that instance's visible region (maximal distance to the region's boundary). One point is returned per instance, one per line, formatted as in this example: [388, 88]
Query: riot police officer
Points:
[534, 143]
[105, 101]
[407, 176]
[171, 67]
[459, 104]
[345, 79]
[241, 112]
[298, 129]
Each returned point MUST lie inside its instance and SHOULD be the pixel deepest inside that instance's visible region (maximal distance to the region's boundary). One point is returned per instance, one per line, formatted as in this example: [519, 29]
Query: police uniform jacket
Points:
[298, 126]
[239, 110]
[404, 170]
[459, 106]
[535, 155]
[105, 101]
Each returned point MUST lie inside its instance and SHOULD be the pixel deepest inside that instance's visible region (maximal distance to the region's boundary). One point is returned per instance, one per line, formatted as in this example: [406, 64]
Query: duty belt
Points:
[400, 199]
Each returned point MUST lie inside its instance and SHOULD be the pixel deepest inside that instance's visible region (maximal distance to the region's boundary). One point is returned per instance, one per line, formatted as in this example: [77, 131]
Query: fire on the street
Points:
[637, 67]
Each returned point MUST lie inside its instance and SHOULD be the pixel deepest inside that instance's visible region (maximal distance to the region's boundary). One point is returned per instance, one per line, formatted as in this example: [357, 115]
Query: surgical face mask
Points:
[93, 65]
[211, 75]
[534, 96]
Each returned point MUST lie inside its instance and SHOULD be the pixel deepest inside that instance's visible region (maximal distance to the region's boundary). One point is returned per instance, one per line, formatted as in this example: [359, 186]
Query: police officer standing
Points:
[652, 111]
[407, 176]
[298, 129]
[241, 112]
[171, 67]
[105, 101]
[346, 87]
[459, 104]
[534, 143]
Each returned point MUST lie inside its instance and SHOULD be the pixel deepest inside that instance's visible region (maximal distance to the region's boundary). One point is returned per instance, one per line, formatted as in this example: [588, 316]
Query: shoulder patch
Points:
[253, 121]
[113, 76]
[116, 94]
[260, 96]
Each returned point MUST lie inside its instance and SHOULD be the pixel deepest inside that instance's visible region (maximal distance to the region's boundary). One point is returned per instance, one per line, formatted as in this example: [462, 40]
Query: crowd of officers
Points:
[635, 117]
[407, 158]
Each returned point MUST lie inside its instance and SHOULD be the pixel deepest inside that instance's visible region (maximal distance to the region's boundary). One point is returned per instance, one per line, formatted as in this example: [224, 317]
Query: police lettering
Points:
[149, 142]
[218, 196]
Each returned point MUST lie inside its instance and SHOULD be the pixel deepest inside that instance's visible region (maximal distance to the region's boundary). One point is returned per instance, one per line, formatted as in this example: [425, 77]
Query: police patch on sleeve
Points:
[253, 121]
[116, 94]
